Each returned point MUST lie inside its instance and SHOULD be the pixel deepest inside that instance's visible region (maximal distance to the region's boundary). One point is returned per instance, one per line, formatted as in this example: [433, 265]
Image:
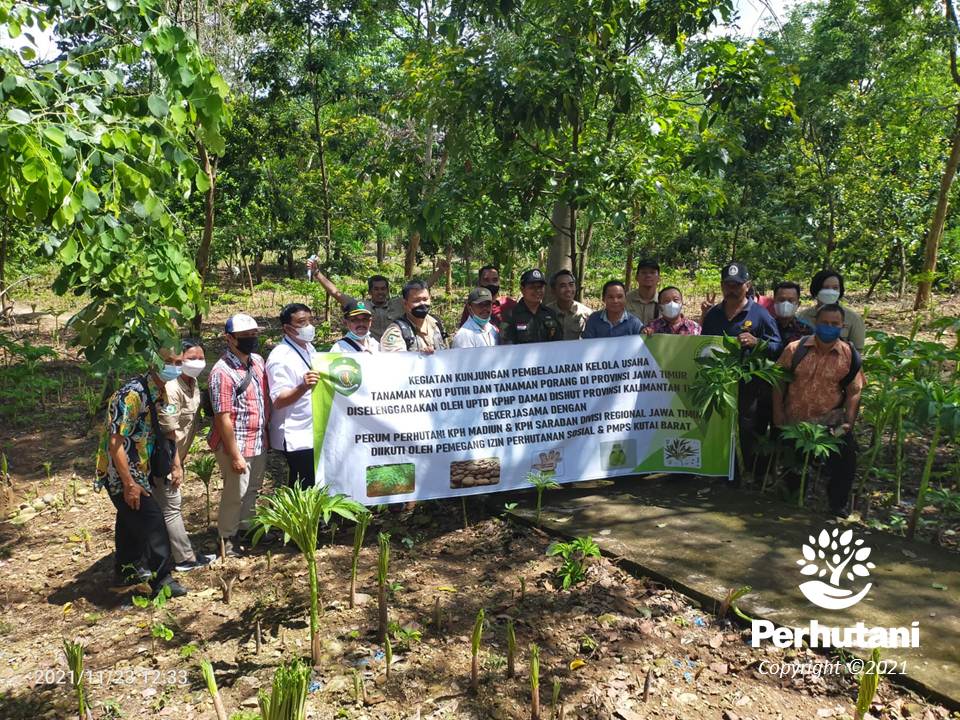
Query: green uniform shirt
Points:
[519, 325]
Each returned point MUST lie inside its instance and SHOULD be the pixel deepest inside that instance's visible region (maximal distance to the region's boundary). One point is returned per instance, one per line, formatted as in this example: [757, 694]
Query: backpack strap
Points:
[351, 343]
[798, 355]
[245, 383]
[856, 363]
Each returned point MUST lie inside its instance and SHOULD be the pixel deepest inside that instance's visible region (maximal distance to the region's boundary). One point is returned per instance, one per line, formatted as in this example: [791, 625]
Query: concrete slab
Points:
[706, 538]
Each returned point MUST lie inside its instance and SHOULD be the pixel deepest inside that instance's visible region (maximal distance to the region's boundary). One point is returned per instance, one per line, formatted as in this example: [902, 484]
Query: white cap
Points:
[240, 322]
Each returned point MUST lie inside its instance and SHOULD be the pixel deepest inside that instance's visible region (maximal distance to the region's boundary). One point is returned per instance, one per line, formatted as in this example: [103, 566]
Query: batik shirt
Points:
[684, 327]
[128, 415]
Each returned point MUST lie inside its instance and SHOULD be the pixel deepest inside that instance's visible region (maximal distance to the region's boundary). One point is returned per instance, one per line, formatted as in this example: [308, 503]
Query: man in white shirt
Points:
[359, 337]
[291, 379]
[477, 330]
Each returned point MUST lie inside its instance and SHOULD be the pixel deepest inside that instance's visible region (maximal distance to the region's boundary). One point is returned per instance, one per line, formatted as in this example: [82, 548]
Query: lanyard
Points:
[297, 350]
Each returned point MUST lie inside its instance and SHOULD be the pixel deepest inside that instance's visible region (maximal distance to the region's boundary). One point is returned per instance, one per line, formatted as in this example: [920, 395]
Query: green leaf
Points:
[19, 116]
[33, 169]
[203, 182]
[158, 106]
[68, 251]
[55, 135]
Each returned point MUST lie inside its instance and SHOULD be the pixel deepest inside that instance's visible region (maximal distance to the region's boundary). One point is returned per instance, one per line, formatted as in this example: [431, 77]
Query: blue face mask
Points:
[479, 320]
[170, 372]
[356, 338]
[828, 333]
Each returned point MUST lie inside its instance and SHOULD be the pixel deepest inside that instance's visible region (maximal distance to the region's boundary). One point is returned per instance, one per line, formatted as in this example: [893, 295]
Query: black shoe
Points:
[131, 575]
[202, 561]
[841, 513]
[175, 588]
[233, 548]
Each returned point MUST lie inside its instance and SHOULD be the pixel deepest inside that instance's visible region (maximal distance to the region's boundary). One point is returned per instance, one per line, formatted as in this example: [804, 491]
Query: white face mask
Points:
[307, 333]
[785, 309]
[193, 368]
[671, 310]
[828, 296]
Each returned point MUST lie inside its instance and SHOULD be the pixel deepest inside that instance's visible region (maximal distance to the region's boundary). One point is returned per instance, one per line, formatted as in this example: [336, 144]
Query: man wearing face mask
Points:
[478, 330]
[573, 315]
[671, 320]
[241, 406]
[489, 278]
[825, 388]
[417, 330]
[179, 417]
[125, 467]
[827, 289]
[530, 321]
[290, 377]
[786, 302]
[359, 337]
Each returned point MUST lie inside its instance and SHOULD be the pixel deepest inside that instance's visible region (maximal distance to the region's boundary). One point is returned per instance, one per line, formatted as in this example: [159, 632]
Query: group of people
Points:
[260, 404]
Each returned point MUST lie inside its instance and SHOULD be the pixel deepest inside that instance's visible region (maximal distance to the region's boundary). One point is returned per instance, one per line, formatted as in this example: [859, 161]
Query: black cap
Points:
[737, 272]
[648, 263]
[532, 276]
[479, 295]
[355, 308]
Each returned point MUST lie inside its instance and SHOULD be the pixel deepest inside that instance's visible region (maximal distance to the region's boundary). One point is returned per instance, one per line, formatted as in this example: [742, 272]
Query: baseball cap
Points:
[355, 308]
[532, 276]
[239, 323]
[478, 295]
[649, 263]
[737, 272]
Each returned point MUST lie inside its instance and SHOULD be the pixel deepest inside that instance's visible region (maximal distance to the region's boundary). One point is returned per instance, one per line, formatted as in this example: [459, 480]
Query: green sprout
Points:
[206, 669]
[288, 697]
[534, 682]
[475, 652]
[541, 482]
[359, 531]
[74, 652]
[511, 648]
[868, 682]
[383, 566]
[574, 554]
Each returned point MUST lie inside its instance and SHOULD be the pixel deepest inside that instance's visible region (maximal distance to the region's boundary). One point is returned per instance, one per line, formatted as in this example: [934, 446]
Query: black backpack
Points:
[409, 335]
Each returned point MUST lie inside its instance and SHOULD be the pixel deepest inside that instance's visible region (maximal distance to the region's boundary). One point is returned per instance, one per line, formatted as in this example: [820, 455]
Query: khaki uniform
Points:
[384, 314]
[647, 311]
[180, 413]
[520, 326]
[428, 337]
[574, 321]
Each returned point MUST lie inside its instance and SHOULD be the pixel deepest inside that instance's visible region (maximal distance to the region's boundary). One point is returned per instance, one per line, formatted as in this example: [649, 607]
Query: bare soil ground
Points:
[54, 584]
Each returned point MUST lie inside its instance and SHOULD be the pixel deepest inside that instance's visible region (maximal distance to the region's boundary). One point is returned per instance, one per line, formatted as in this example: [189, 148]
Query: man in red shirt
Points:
[489, 278]
[239, 439]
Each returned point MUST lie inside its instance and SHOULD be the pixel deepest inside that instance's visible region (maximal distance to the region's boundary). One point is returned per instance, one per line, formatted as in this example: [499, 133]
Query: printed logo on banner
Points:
[832, 552]
[345, 374]
[681, 452]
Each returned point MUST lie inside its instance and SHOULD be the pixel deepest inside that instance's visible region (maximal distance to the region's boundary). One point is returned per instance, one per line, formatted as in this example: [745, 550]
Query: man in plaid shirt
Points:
[239, 439]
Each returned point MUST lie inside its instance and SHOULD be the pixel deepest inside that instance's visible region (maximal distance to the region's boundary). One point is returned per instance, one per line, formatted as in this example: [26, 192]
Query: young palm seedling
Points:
[298, 513]
[574, 554]
[206, 669]
[534, 682]
[359, 531]
[288, 697]
[383, 566]
[388, 655]
[541, 482]
[74, 653]
[814, 442]
[557, 710]
[868, 682]
[730, 603]
[475, 652]
[203, 468]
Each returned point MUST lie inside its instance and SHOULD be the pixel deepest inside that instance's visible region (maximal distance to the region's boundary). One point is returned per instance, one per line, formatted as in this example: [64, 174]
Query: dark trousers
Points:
[301, 467]
[140, 536]
[750, 418]
[840, 468]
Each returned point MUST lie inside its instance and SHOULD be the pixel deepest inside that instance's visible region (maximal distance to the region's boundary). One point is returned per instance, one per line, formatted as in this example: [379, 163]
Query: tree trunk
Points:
[902, 279]
[206, 239]
[628, 270]
[381, 250]
[939, 219]
[582, 258]
[449, 278]
[258, 266]
[410, 261]
[3, 266]
[560, 256]
[288, 258]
